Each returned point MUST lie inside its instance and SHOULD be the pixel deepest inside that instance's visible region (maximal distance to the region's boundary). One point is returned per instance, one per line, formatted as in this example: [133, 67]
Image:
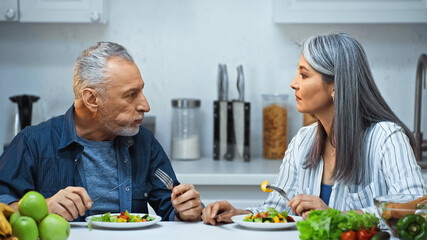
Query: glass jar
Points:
[185, 129]
[275, 120]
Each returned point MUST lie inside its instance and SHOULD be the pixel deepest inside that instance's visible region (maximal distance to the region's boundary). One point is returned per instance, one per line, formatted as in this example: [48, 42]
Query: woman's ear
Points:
[89, 98]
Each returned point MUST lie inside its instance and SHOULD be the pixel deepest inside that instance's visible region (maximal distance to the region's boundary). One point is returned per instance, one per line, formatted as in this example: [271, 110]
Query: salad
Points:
[334, 224]
[270, 216]
[124, 217]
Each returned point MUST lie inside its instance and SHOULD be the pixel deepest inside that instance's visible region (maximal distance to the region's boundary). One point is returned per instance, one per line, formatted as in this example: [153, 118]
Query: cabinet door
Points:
[354, 11]
[67, 11]
[9, 10]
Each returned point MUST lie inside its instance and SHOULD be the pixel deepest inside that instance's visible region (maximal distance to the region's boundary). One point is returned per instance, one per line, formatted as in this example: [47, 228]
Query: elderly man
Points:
[97, 150]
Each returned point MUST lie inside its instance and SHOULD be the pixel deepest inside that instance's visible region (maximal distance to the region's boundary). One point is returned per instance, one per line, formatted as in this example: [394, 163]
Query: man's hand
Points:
[224, 208]
[304, 203]
[69, 202]
[186, 200]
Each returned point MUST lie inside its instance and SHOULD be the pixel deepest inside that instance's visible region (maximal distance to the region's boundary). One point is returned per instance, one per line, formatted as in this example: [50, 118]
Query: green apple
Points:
[54, 227]
[25, 228]
[13, 217]
[33, 204]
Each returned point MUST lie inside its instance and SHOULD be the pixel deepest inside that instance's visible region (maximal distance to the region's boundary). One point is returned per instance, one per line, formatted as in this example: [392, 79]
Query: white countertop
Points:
[207, 171]
[185, 231]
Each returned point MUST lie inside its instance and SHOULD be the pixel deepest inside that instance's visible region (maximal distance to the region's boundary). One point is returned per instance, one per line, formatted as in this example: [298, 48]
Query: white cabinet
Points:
[9, 10]
[60, 11]
[350, 11]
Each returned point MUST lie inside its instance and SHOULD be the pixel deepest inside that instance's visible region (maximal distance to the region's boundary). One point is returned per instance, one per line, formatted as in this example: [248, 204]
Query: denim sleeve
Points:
[160, 195]
[17, 170]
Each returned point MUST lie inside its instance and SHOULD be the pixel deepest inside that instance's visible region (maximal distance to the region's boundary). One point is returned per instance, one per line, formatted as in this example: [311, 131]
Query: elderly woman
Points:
[357, 150]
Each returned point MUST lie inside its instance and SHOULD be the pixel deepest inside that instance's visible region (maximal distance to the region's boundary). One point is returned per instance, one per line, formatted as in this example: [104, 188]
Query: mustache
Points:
[140, 118]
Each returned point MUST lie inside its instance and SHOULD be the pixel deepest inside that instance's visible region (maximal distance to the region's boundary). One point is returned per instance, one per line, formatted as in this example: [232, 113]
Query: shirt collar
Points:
[69, 134]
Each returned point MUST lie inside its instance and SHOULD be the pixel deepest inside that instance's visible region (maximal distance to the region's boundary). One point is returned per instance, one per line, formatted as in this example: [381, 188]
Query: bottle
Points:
[275, 120]
[185, 129]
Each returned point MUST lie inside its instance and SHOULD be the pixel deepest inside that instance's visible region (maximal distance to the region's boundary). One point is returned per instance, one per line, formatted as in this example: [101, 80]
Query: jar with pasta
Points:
[275, 121]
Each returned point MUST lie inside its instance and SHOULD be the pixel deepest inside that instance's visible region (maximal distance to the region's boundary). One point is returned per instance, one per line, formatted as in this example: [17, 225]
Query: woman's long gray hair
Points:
[357, 102]
[89, 70]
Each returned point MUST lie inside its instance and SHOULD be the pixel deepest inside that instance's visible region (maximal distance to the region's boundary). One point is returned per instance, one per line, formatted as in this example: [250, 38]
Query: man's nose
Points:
[143, 105]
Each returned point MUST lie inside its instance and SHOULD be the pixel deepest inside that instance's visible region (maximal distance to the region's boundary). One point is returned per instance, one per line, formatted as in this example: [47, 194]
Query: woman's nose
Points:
[294, 84]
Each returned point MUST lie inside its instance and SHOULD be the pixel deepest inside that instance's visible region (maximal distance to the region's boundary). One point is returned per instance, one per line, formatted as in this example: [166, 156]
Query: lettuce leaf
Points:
[331, 223]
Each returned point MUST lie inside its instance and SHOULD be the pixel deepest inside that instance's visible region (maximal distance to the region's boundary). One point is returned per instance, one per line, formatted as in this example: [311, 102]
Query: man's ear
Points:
[90, 99]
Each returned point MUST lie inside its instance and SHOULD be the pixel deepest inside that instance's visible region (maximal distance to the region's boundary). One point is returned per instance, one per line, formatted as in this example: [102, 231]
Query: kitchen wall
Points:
[178, 45]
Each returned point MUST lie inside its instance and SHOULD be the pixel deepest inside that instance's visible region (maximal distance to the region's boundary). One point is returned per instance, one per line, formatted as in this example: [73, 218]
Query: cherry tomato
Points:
[364, 235]
[349, 235]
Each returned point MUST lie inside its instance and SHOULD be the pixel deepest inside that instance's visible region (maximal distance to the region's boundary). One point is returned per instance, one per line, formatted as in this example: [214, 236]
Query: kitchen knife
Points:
[241, 117]
[226, 120]
[217, 116]
[221, 115]
[241, 83]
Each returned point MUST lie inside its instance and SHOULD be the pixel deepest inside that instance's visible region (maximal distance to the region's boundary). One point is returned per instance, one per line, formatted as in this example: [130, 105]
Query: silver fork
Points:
[164, 177]
[279, 190]
[168, 182]
[114, 188]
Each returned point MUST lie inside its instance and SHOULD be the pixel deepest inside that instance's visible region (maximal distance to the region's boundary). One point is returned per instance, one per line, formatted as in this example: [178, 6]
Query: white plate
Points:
[126, 225]
[238, 219]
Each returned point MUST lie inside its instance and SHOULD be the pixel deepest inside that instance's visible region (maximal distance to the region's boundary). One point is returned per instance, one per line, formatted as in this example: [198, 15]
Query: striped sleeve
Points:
[398, 161]
[288, 175]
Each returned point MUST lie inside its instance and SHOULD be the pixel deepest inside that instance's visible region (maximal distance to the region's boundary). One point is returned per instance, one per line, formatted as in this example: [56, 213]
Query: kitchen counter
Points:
[222, 172]
[235, 181]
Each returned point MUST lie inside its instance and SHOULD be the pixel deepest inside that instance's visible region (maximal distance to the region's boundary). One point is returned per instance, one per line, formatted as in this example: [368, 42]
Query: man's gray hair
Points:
[89, 70]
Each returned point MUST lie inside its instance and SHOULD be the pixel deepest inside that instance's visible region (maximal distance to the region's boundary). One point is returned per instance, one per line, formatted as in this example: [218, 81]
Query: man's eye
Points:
[132, 94]
[303, 76]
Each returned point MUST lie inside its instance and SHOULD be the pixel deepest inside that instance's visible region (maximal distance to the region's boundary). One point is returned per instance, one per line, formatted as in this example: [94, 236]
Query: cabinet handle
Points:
[95, 16]
[10, 13]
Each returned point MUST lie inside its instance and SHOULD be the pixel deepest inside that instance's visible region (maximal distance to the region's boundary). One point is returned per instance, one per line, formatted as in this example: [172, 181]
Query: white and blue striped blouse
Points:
[390, 169]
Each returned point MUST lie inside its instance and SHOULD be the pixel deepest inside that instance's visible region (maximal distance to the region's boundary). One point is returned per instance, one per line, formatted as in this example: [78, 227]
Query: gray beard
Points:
[106, 121]
[121, 131]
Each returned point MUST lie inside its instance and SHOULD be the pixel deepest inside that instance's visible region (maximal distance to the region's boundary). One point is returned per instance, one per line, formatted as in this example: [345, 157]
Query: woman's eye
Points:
[303, 76]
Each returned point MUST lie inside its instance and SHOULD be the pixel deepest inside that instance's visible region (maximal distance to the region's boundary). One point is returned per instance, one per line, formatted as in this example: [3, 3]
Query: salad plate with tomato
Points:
[270, 219]
[123, 220]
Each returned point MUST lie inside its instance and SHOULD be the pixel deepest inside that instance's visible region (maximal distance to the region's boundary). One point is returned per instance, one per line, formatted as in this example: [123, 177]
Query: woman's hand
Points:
[304, 203]
[224, 208]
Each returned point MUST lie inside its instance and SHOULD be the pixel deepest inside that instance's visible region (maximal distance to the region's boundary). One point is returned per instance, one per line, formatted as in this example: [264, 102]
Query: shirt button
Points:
[125, 160]
[129, 141]
[75, 160]
[127, 189]
[145, 194]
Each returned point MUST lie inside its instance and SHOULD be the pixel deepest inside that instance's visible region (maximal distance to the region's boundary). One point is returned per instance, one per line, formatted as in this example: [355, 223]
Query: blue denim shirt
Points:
[45, 158]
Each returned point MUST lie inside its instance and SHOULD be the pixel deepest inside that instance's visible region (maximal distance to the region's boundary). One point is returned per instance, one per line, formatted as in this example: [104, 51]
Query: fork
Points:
[279, 190]
[164, 177]
[168, 182]
[114, 188]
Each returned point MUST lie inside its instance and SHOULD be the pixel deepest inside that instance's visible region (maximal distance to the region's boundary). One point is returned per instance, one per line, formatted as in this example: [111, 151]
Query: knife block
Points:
[231, 130]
